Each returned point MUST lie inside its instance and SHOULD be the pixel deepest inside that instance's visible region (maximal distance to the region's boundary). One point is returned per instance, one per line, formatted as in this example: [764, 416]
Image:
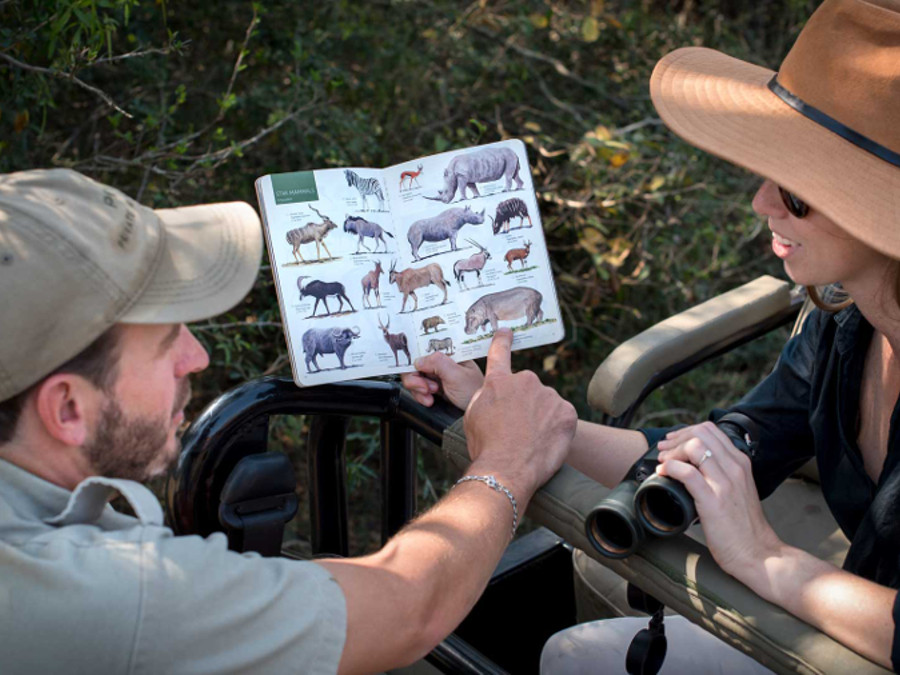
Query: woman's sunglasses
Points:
[797, 207]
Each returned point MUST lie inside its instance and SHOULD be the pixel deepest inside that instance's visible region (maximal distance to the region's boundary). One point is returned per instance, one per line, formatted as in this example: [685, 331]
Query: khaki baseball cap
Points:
[77, 256]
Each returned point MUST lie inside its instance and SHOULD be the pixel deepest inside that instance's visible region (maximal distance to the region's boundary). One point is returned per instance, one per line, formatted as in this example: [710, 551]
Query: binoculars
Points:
[646, 502]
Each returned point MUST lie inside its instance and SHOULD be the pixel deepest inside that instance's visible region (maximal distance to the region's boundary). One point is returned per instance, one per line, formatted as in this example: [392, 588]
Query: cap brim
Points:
[209, 262]
[723, 105]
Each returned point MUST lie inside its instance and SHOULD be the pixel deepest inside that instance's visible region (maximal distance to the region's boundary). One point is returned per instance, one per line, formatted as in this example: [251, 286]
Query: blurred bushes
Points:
[178, 103]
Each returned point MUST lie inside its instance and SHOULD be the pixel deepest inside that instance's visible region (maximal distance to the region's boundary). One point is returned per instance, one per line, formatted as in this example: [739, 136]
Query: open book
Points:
[376, 267]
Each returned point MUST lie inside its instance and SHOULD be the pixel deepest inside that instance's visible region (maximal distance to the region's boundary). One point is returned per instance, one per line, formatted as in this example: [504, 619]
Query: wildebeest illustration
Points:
[366, 187]
[504, 306]
[431, 323]
[396, 341]
[480, 166]
[519, 254]
[371, 282]
[474, 263]
[320, 290]
[506, 211]
[444, 345]
[410, 279]
[335, 341]
[445, 225]
[366, 228]
[311, 232]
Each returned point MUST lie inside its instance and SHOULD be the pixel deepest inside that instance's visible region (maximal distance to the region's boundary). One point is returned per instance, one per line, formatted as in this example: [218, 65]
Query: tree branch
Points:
[66, 76]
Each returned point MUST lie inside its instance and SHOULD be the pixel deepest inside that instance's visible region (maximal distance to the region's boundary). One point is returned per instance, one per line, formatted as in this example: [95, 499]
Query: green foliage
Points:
[175, 104]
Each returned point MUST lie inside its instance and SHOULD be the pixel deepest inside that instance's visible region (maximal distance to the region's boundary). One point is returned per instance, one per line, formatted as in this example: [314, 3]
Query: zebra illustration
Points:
[366, 187]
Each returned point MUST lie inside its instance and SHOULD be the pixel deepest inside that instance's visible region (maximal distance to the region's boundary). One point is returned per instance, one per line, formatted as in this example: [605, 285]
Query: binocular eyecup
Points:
[647, 503]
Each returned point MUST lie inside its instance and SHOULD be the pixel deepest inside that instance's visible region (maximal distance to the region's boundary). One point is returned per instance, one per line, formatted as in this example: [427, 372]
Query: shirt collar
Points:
[851, 328]
[87, 504]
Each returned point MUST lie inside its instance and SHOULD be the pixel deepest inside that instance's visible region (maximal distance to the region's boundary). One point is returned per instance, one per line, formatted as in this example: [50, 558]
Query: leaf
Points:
[539, 20]
[597, 7]
[533, 126]
[656, 183]
[619, 159]
[590, 29]
[21, 121]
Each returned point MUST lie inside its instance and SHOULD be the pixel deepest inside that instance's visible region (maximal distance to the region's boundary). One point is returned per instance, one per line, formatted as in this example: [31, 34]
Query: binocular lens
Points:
[664, 506]
[660, 510]
[612, 526]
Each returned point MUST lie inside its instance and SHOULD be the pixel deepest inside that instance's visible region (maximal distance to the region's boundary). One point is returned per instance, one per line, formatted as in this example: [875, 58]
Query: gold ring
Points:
[706, 456]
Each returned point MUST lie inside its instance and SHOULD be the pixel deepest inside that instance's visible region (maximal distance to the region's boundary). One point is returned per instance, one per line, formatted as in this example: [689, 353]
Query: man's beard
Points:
[132, 447]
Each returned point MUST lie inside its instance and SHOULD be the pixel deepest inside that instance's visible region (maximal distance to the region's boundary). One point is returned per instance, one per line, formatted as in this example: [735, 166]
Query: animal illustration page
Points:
[377, 267]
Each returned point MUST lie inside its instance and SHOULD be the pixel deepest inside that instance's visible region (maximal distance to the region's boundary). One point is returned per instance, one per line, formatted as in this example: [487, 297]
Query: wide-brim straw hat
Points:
[77, 256]
[826, 127]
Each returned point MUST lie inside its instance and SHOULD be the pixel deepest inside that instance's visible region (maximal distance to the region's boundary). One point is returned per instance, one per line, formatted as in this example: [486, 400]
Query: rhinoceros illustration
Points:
[481, 166]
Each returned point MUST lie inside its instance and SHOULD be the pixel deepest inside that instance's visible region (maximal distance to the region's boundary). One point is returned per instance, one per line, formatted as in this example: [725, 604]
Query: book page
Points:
[468, 223]
[331, 240]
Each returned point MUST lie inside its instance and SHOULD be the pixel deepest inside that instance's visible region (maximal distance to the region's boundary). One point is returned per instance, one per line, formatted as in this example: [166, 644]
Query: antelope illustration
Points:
[370, 283]
[411, 279]
[412, 175]
[474, 263]
[311, 232]
[519, 254]
[396, 341]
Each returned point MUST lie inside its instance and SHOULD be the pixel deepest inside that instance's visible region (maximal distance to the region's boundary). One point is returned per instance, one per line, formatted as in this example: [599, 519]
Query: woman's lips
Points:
[782, 246]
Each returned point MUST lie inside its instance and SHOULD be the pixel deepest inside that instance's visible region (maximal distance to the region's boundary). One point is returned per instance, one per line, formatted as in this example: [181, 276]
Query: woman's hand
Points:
[719, 478]
[439, 374]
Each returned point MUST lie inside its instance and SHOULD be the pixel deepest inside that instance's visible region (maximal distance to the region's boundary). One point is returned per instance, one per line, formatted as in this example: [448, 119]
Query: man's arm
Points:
[402, 600]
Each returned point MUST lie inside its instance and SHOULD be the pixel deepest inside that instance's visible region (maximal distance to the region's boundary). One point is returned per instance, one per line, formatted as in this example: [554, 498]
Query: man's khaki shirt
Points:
[85, 589]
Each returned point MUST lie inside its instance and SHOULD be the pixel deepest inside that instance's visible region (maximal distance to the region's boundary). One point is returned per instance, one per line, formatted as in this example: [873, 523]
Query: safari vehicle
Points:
[552, 577]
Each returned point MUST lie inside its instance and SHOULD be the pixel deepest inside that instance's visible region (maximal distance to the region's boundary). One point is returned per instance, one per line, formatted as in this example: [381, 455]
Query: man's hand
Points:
[517, 429]
[438, 374]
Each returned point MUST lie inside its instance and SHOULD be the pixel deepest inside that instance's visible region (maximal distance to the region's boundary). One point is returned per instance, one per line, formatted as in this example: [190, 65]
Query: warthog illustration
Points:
[366, 228]
[327, 341]
[320, 290]
[396, 341]
[474, 263]
[504, 306]
[506, 211]
[445, 345]
[480, 166]
[445, 225]
[311, 232]
[411, 279]
[431, 323]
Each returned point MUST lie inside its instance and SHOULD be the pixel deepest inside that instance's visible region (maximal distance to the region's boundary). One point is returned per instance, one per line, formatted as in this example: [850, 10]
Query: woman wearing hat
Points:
[824, 132]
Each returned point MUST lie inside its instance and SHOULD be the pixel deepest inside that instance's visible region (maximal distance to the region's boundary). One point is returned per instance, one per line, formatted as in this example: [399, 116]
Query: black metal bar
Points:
[398, 477]
[455, 656]
[327, 484]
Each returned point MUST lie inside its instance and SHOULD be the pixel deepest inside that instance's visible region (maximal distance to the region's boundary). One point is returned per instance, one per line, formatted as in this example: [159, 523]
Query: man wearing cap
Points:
[95, 362]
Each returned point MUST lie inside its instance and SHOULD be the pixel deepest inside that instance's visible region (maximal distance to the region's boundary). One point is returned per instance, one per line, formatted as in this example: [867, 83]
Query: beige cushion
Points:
[681, 573]
[619, 380]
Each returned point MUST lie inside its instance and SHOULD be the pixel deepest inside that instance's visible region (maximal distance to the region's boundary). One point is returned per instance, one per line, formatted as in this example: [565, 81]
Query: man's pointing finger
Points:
[499, 358]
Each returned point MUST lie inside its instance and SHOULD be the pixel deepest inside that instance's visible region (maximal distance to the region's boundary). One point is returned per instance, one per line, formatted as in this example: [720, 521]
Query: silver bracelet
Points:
[494, 484]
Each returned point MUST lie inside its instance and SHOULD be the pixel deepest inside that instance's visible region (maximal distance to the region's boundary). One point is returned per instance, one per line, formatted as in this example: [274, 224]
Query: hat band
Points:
[832, 124]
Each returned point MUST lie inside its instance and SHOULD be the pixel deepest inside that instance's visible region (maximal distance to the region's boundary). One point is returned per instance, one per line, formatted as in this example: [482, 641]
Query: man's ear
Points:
[66, 405]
